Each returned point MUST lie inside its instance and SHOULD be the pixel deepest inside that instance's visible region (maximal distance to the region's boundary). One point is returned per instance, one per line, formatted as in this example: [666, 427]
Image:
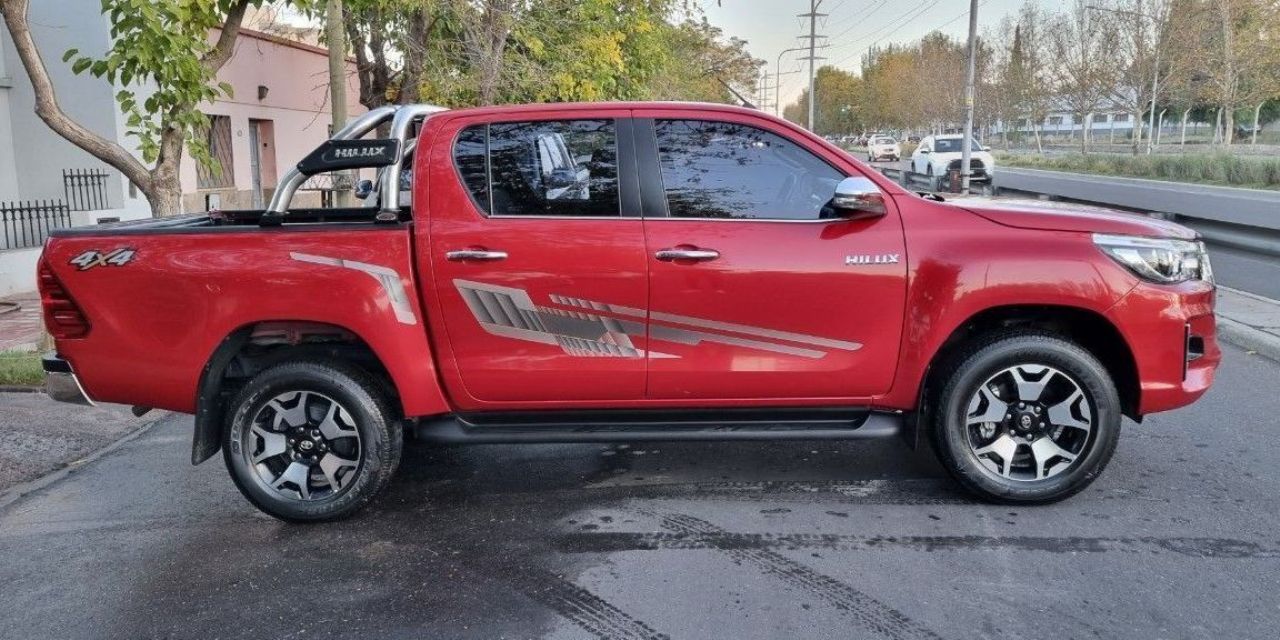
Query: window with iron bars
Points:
[220, 174]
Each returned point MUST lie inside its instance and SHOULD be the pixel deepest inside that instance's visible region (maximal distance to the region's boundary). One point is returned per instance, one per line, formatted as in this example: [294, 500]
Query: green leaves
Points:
[162, 44]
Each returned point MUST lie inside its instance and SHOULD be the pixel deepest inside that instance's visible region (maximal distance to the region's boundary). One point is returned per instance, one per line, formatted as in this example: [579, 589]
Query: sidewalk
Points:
[20, 322]
[1249, 321]
[41, 435]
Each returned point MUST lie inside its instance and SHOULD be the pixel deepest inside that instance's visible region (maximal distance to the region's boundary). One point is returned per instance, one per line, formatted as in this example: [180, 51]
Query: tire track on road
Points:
[586, 609]
[867, 611]
[1203, 547]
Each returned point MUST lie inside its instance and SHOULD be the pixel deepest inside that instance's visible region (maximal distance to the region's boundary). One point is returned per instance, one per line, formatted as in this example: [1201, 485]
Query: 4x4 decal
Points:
[582, 330]
[94, 258]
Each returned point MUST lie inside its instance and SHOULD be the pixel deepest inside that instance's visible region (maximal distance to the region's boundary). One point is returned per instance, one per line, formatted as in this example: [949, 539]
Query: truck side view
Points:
[628, 272]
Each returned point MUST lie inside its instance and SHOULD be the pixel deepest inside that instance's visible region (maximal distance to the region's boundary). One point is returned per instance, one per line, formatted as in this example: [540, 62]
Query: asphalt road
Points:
[1177, 539]
[1246, 270]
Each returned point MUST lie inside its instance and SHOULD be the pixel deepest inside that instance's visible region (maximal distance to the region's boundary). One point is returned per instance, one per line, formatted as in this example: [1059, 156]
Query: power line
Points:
[896, 29]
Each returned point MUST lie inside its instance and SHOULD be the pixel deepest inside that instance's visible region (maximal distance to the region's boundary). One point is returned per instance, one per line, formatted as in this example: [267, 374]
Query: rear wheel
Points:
[1026, 418]
[312, 441]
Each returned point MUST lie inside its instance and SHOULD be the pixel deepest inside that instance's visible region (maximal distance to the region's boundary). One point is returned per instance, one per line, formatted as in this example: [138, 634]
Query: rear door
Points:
[756, 290]
[534, 226]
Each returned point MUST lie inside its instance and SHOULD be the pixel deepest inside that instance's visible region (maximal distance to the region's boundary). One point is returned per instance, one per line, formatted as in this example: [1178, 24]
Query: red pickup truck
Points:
[628, 272]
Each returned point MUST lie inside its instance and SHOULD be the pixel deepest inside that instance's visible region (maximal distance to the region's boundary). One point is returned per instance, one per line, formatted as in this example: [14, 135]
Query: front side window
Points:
[728, 170]
[549, 168]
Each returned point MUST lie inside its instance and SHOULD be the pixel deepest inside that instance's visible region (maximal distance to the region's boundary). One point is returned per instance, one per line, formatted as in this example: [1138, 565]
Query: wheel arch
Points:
[257, 345]
[1085, 327]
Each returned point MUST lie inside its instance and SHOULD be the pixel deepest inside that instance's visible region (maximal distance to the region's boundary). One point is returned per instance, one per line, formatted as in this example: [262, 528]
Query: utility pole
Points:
[813, 36]
[335, 36]
[966, 151]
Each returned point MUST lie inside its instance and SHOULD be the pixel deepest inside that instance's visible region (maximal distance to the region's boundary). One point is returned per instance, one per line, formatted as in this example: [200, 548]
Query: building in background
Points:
[278, 112]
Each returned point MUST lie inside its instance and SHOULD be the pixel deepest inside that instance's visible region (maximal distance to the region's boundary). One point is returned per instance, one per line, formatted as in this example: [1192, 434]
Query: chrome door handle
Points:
[668, 255]
[475, 254]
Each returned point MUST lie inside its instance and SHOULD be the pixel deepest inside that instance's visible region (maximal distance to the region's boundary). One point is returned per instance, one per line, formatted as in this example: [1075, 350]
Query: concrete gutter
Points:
[1249, 321]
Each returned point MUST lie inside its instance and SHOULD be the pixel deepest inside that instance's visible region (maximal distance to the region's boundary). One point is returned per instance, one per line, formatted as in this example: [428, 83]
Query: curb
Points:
[1247, 337]
[24, 489]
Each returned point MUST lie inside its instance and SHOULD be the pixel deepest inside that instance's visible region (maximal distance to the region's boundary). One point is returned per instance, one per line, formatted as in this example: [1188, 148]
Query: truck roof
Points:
[588, 106]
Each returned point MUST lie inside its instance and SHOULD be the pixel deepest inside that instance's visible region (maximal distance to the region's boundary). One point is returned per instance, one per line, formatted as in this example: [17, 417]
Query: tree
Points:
[160, 48]
[696, 60]
[1141, 28]
[837, 111]
[1084, 69]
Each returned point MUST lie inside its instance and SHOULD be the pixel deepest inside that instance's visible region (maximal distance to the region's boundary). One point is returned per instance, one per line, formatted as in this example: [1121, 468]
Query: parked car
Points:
[505, 302]
[936, 156]
[883, 148]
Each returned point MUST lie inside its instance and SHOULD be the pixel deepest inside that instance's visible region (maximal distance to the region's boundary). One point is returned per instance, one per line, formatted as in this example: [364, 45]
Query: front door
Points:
[756, 290]
[532, 235]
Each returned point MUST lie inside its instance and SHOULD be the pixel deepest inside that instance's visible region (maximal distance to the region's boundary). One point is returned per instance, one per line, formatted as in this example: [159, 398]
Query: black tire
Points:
[364, 402]
[986, 358]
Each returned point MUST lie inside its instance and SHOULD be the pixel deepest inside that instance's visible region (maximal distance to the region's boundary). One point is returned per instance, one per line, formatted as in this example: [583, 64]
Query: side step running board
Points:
[663, 426]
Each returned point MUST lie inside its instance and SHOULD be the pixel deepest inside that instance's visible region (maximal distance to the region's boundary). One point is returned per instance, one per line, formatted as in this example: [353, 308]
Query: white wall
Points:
[18, 270]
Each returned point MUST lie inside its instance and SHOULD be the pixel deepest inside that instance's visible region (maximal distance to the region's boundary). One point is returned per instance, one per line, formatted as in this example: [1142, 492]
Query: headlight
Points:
[1162, 260]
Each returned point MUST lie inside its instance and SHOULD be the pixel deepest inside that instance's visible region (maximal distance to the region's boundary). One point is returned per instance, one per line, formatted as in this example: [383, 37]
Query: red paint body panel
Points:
[779, 293]
[156, 321]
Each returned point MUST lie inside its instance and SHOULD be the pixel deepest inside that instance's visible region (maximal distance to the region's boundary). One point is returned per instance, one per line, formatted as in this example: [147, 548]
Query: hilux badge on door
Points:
[866, 258]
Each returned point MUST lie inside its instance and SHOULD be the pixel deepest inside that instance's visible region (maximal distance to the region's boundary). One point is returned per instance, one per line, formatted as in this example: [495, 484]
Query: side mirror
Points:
[924, 151]
[363, 189]
[985, 148]
[857, 198]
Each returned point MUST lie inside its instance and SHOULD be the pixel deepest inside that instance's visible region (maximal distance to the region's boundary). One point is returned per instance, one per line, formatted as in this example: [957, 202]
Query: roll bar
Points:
[402, 118]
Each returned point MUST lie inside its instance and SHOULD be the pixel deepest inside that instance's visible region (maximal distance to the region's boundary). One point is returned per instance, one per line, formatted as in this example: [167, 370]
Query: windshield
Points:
[883, 141]
[953, 145]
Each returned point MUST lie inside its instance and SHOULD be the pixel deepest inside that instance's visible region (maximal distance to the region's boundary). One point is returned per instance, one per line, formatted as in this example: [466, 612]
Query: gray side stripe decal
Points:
[387, 277]
[511, 313]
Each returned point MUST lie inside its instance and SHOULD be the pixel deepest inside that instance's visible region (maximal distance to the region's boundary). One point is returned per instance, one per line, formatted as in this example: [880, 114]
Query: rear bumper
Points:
[61, 383]
[1172, 332]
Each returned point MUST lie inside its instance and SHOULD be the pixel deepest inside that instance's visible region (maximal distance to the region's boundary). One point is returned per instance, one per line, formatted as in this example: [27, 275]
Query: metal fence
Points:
[27, 224]
[85, 189]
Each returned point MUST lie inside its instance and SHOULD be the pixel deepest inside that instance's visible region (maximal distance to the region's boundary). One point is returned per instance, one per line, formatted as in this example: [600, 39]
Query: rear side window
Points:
[728, 170]
[545, 168]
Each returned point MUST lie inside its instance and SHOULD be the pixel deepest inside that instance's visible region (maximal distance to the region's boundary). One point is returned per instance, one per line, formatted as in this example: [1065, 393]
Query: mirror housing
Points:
[858, 197]
[363, 189]
[924, 151]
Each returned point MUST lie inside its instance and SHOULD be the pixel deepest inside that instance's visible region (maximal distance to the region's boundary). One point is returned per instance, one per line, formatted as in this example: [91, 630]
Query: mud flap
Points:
[210, 403]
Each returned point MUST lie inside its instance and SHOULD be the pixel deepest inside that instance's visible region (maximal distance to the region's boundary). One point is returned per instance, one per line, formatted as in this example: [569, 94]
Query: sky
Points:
[770, 26]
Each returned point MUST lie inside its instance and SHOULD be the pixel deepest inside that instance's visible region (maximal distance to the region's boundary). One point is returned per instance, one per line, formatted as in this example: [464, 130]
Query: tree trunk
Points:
[1035, 130]
[337, 44]
[1230, 81]
[161, 184]
[1183, 141]
[1257, 113]
[1159, 129]
[1217, 128]
[1136, 131]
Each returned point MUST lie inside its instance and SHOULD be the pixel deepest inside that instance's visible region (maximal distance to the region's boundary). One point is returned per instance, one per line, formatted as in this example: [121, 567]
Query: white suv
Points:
[883, 148]
[938, 155]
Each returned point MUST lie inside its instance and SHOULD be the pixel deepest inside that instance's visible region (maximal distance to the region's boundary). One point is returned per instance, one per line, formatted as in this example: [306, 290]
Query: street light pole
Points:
[966, 150]
[777, 74]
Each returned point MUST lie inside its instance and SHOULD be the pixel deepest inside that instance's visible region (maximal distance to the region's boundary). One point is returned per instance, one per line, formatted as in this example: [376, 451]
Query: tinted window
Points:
[469, 156]
[954, 145]
[562, 168]
[726, 170]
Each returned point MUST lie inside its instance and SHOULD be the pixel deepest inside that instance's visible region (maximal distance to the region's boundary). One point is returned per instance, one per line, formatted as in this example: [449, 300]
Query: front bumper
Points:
[61, 383]
[1171, 330]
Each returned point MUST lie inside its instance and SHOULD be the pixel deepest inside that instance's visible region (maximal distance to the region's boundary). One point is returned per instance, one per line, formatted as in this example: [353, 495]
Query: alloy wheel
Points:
[303, 445]
[1029, 422]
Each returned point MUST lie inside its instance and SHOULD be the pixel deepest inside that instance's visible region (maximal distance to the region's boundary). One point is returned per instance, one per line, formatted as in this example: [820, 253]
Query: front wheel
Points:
[312, 441]
[1026, 418]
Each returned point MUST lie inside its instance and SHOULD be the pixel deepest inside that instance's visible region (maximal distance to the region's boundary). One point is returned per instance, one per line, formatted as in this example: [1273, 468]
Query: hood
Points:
[1059, 216]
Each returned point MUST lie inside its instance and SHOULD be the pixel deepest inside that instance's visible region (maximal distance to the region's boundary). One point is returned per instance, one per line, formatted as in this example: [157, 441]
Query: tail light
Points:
[62, 316]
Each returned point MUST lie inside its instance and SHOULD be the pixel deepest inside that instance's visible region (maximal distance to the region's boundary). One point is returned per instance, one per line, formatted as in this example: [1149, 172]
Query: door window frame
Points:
[628, 190]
